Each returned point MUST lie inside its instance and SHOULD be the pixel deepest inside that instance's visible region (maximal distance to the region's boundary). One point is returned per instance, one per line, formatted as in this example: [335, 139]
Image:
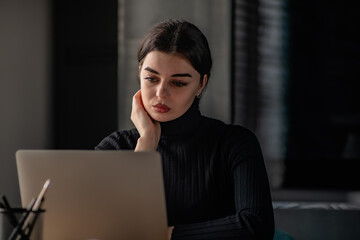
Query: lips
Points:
[161, 108]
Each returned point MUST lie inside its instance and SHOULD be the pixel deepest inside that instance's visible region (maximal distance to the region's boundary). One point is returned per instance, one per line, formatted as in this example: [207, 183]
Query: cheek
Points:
[191, 95]
[185, 101]
[191, 100]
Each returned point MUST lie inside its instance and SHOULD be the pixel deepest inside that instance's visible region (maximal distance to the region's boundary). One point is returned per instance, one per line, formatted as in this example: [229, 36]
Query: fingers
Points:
[139, 116]
[148, 129]
[137, 101]
[137, 106]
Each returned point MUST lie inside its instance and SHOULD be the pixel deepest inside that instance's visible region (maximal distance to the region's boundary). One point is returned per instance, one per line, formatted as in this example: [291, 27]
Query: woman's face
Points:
[169, 85]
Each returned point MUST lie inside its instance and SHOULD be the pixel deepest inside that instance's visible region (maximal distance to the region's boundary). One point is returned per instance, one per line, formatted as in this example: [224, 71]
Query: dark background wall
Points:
[25, 83]
[85, 72]
[323, 141]
[312, 100]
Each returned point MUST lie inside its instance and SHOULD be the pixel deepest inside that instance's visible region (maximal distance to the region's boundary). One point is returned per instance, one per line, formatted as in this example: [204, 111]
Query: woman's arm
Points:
[253, 217]
[148, 129]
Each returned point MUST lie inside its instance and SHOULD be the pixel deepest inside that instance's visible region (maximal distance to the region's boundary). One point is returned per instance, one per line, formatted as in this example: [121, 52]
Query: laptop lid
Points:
[96, 194]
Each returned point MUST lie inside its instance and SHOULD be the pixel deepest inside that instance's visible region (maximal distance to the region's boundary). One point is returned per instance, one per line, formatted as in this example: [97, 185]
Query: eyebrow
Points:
[174, 75]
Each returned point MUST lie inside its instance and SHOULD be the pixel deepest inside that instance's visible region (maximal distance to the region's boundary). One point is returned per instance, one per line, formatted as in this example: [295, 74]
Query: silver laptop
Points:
[96, 194]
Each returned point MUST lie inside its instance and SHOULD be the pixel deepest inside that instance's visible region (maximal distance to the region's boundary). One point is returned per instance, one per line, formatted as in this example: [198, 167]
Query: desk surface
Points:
[318, 220]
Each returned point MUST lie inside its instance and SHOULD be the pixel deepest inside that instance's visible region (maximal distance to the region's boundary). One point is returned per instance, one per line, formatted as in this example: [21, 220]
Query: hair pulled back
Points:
[181, 37]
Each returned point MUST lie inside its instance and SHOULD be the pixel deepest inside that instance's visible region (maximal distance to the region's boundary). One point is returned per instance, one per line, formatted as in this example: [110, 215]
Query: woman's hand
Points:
[148, 128]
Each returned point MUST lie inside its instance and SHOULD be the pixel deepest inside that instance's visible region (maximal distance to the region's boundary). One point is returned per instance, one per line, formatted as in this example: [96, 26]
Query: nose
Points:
[162, 90]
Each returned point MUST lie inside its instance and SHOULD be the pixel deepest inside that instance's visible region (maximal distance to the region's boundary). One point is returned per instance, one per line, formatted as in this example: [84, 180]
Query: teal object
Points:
[281, 235]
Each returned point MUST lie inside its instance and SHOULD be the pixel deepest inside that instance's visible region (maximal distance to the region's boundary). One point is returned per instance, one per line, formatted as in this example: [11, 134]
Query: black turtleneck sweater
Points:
[215, 179]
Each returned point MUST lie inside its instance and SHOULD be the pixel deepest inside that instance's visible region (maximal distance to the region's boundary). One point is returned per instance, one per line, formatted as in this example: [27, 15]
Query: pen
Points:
[22, 220]
[30, 220]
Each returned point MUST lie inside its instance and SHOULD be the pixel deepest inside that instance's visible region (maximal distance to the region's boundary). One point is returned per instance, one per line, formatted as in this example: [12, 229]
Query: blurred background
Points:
[287, 70]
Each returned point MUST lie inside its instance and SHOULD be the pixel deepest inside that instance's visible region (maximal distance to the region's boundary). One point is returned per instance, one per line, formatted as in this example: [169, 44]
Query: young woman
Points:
[216, 183]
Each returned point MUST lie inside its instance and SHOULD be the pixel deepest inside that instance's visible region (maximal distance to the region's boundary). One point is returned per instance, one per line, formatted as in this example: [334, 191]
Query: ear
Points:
[202, 85]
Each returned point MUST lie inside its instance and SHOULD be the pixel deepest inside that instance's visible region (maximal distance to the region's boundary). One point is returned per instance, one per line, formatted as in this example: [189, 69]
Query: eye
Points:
[179, 83]
[151, 79]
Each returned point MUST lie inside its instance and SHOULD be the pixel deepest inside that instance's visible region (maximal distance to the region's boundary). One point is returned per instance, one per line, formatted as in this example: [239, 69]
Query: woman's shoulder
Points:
[227, 129]
[232, 137]
[125, 139]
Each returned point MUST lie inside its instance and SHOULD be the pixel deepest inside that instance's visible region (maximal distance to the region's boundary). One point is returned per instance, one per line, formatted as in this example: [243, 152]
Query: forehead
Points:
[167, 62]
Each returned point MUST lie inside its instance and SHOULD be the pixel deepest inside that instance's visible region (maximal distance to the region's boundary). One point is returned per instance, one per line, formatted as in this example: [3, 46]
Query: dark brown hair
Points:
[182, 37]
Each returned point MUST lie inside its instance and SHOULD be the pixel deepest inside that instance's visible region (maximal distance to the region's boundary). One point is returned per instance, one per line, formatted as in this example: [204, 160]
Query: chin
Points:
[162, 117]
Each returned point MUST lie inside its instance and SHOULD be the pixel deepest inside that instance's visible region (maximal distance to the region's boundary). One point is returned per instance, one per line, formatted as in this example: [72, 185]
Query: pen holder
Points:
[11, 219]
